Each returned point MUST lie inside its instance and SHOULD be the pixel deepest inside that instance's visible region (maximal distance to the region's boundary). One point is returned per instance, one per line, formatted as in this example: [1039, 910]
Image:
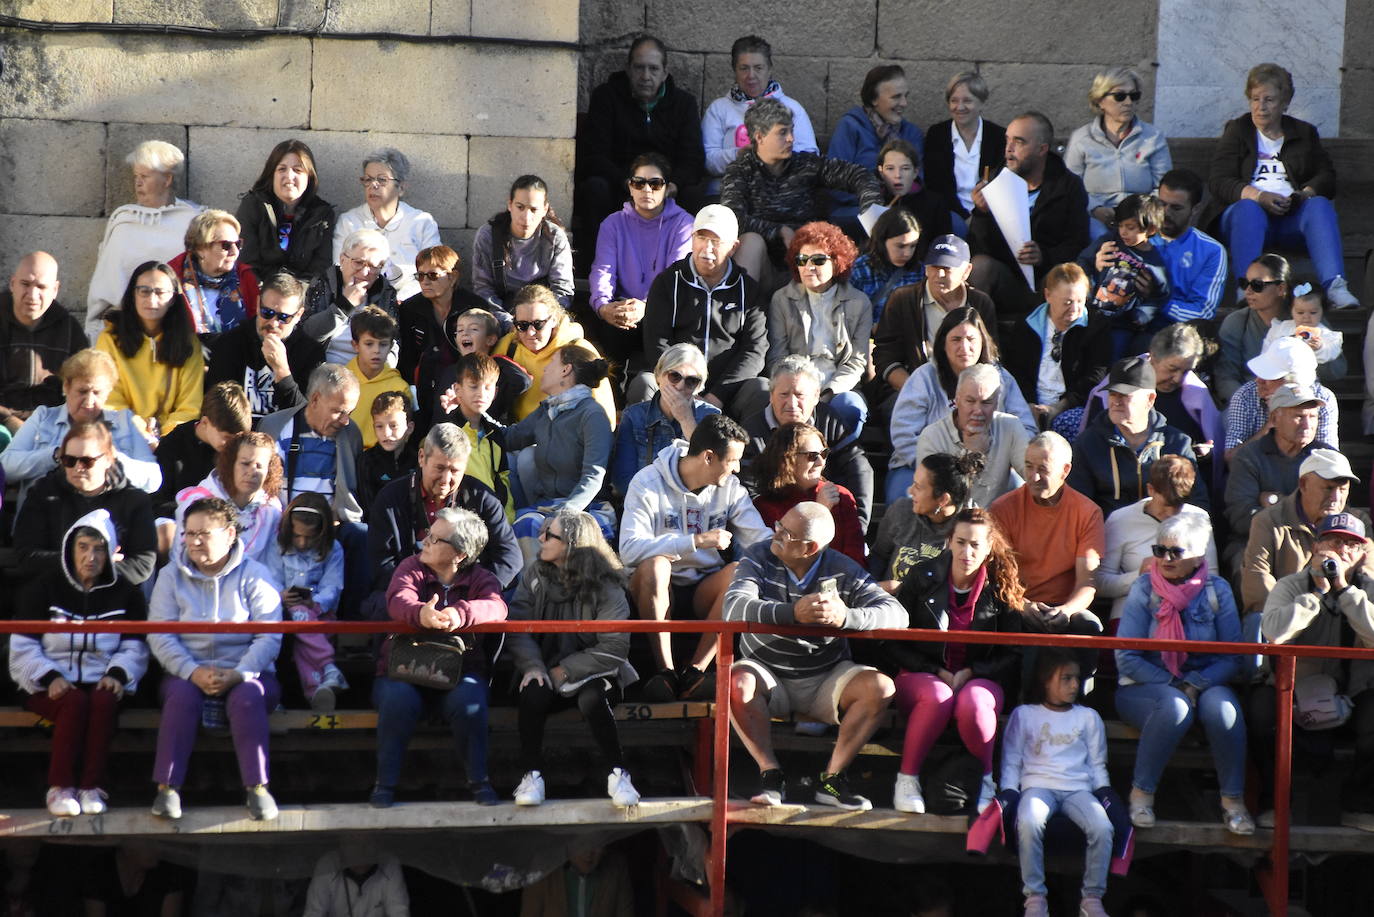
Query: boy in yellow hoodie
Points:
[373, 333]
[475, 390]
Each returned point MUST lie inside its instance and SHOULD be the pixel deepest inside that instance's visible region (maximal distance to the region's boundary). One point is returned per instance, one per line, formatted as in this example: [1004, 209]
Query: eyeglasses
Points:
[813, 456]
[431, 276]
[1057, 346]
[226, 245]
[545, 535]
[432, 539]
[154, 292]
[779, 530]
[817, 259]
[1133, 95]
[639, 183]
[1255, 286]
[537, 325]
[363, 263]
[87, 462]
[1173, 552]
[677, 378]
[202, 535]
[272, 315]
[370, 182]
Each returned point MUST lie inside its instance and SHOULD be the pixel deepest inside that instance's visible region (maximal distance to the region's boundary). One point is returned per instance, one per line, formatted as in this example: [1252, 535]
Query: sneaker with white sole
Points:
[1339, 296]
[62, 802]
[261, 805]
[1037, 906]
[906, 795]
[167, 804]
[987, 792]
[622, 792]
[772, 788]
[530, 792]
[833, 790]
[1092, 907]
[323, 700]
[93, 801]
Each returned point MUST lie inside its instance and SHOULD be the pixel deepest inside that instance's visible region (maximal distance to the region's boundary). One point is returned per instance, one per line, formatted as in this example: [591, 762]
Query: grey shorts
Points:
[816, 697]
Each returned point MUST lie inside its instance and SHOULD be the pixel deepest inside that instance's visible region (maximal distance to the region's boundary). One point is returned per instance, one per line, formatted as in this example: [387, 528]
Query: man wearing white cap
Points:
[1281, 536]
[1266, 468]
[707, 300]
[1285, 360]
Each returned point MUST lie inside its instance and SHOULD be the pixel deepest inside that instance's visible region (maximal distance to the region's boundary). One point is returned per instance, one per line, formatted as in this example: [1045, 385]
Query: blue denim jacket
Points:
[645, 431]
[1200, 622]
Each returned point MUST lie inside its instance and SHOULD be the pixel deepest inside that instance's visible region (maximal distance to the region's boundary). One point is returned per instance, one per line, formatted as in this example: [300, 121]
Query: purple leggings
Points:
[929, 703]
[248, 704]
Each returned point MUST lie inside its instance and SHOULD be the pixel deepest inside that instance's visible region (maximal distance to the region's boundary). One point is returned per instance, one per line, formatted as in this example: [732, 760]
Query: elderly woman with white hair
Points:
[1162, 692]
[385, 180]
[153, 228]
[647, 428]
[1116, 154]
[358, 280]
[219, 288]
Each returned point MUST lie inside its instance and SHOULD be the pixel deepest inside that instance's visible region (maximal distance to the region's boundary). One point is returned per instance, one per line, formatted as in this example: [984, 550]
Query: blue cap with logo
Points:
[948, 251]
[1341, 524]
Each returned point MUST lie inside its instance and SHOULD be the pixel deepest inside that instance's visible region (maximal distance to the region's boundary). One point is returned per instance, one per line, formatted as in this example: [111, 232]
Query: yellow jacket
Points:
[570, 332]
[488, 464]
[388, 380]
[153, 390]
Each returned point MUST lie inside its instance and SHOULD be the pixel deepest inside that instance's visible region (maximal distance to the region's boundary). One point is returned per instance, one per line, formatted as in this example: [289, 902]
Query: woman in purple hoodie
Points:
[634, 244]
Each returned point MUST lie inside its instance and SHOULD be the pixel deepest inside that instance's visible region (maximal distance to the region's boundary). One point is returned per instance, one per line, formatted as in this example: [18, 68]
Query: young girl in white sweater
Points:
[1055, 753]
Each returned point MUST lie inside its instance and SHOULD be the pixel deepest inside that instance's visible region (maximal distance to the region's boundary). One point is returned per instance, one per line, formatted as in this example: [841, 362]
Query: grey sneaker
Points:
[261, 805]
[168, 803]
[1339, 295]
[323, 700]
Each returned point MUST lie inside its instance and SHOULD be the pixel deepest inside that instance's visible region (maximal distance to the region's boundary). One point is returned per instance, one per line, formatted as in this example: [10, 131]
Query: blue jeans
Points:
[399, 708]
[1249, 230]
[898, 480]
[851, 408]
[1163, 714]
[357, 570]
[1083, 809]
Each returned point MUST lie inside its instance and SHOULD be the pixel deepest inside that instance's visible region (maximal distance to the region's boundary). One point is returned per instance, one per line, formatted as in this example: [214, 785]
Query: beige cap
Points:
[1328, 464]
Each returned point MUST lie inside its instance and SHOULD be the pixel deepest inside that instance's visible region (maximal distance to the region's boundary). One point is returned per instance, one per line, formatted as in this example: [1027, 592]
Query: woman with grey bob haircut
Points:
[385, 180]
[468, 535]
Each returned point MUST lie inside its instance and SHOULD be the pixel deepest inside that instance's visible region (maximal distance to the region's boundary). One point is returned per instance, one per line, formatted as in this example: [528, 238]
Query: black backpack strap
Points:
[293, 452]
[500, 243]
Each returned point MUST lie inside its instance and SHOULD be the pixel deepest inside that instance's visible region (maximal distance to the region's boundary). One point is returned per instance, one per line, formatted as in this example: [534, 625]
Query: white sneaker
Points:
[93, 801]
[622, 792]
[1339, 295]
[62, 802]
[530, 792]
[334, 678]
[986, 793]
[906, 795]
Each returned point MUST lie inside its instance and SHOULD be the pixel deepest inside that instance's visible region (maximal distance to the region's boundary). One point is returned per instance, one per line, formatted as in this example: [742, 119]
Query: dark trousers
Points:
[83, 723]
[594, 701]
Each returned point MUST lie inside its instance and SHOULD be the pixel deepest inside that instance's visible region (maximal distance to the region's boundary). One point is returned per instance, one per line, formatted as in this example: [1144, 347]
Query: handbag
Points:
[1317, 705]
[427, 660]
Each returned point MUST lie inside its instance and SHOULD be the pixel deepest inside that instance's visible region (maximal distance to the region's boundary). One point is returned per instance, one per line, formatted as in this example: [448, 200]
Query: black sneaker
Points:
[694, 684]
[661, 688]
[833, 790]
[772, 788]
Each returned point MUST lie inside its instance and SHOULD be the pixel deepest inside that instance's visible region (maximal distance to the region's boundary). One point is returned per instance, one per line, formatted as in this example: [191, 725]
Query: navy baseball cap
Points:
[948, 251]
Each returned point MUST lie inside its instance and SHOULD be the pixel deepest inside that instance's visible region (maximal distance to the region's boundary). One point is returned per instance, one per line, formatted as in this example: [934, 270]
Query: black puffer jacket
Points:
[311, 248]
[765, 202]
[617, 129]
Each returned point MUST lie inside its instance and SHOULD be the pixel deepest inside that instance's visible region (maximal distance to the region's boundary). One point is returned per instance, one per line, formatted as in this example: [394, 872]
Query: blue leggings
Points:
[399, 708]
[1249, 229]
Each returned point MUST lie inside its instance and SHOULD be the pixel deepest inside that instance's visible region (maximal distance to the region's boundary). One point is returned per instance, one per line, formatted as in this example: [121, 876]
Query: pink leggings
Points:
[929, 703]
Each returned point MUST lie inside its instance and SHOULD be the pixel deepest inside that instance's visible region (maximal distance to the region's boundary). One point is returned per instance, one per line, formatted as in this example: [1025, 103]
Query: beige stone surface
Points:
[460, 240]
[166, 80]
[611, 21]
[495, 162]
[1359, 36]
[495, 92]
[120, 142]
[222, 14]
[404, 17]
[52, 167]
[839, 28]
[545, 20]
[1357, 107]
[451, 17]
[73, 241]
[61, 10]
[225, 162]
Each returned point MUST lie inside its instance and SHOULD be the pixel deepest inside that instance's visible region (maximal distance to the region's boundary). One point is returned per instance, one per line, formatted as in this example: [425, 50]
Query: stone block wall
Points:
[475, 92]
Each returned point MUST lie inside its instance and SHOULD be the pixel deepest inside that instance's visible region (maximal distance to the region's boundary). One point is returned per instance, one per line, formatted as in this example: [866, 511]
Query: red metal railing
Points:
[1274, 883]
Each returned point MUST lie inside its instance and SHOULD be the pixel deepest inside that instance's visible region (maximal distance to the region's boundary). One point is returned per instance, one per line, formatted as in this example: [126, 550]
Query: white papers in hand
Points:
[869, 218]
[1008, 199]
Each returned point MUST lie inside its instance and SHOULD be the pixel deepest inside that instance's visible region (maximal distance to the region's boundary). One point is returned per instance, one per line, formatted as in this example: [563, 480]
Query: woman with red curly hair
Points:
[821, 316]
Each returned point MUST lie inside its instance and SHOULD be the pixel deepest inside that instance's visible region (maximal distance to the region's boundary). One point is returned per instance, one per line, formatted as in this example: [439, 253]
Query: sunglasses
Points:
[272, 315]
[536, 325]
[431, 276]
[812, 456]
[546, 535]
[677, 378]
[1057, 346]
[817, 259]
[1172, 552]
[639, 183]
[86, 462]
[1134, 95]
[226, 245]
[1255, 286]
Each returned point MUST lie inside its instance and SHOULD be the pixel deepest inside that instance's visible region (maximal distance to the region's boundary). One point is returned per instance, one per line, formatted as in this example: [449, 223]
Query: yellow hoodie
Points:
[153, 390]
[568, 333]
[388, 380]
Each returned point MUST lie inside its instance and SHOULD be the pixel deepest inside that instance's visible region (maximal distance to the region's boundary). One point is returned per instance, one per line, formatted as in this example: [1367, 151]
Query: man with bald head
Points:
[1058, 219]
[35, 338]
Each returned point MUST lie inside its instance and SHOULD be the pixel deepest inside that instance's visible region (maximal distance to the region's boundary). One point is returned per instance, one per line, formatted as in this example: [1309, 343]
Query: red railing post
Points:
[720, 787]
[1284, 669]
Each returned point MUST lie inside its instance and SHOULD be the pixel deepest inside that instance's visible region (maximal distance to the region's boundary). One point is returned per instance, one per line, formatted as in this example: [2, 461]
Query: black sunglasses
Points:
[1057, 346]
[227, 245]
[639, 183]
[272, 315]
[1173, 552]
[537, 324]
[677, 378]
[1134, 95]
[817, 259]
[87, 462]
[1255, 286]
[431, 276]
[812, 455]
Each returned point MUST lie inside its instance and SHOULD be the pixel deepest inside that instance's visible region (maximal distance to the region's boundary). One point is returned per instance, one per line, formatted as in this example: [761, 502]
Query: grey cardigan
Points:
[1005, 455]
[790, 330]
[348, 445]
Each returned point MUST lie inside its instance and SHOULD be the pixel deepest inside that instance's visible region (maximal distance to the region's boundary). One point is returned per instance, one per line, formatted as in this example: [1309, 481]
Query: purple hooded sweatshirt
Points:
[631, 251]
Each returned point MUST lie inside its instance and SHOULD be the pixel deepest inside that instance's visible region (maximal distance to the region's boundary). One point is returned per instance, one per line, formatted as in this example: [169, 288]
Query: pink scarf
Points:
[1173, 598]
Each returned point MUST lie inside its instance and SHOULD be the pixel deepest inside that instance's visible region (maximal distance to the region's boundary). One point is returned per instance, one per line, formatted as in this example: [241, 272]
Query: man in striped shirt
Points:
[795, 578]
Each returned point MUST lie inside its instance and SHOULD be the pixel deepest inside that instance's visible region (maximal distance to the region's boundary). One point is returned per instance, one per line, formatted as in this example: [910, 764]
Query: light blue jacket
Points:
[32, 453]
[324, 578]
[1110, 172]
